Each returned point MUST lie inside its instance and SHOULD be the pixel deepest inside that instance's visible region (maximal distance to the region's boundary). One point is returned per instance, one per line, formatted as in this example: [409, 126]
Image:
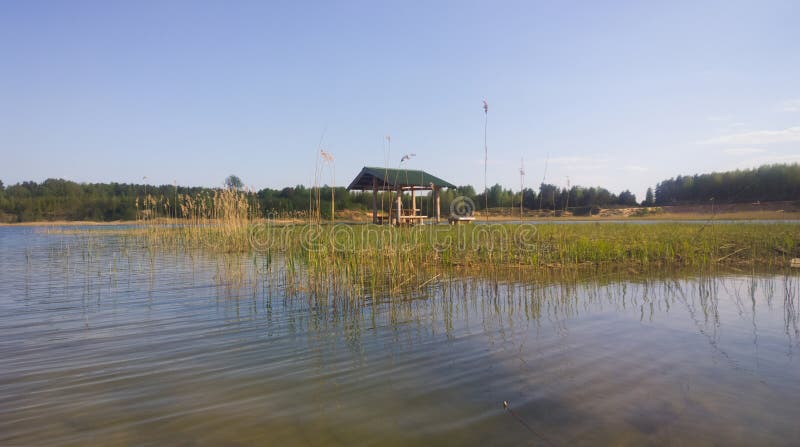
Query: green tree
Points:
[234, 182]
[547, 196]
[649, 200]
[627, 198]
[766, 183]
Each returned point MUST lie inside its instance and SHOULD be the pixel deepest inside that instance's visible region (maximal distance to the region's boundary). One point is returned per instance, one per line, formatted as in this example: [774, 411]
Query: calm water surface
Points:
[104, 342]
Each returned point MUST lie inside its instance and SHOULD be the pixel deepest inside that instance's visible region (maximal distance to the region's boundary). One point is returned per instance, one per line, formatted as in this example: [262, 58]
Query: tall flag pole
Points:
[521, 184]
[485, 159]
[328, 157]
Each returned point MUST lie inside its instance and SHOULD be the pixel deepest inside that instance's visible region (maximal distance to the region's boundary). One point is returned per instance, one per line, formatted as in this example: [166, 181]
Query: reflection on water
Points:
[106, 342]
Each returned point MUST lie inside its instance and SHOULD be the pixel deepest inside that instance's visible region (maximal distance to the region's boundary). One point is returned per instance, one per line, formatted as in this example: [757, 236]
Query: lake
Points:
[105, 341]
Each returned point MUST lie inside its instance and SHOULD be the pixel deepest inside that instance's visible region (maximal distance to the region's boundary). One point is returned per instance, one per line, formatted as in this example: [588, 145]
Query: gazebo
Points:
[399, 181]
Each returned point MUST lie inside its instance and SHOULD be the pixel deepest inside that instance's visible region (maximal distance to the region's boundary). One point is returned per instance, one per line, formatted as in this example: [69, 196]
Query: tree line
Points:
[57, 199]
[766, 183]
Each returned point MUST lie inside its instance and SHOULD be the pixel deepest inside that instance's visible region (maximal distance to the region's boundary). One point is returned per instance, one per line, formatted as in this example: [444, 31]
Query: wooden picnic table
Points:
[411, 220]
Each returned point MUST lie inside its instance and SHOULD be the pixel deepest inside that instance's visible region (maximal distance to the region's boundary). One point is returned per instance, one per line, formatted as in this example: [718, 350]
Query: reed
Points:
[218, 220]
[365, 260]
[362, 258]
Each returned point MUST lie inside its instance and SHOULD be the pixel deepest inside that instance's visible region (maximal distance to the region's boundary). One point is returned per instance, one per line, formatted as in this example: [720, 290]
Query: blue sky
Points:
[618, 94]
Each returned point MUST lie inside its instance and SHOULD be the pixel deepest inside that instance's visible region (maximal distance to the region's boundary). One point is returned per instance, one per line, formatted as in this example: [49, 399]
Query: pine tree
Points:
[648, 198]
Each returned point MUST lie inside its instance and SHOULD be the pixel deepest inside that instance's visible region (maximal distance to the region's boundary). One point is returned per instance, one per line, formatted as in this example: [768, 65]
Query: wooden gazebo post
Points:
[438, 201]
[375, 200]
[399, 204]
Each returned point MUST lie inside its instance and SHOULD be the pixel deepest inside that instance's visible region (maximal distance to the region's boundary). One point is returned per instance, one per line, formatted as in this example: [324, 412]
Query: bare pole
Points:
[387, 153]
[311, 193]
[521, 184]
[405, 158]
[387, 157]
[544, 176]
[485, 159]
[317, 204]
[328, 158]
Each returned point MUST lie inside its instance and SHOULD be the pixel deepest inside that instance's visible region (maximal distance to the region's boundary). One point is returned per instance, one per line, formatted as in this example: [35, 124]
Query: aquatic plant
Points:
[357, 259]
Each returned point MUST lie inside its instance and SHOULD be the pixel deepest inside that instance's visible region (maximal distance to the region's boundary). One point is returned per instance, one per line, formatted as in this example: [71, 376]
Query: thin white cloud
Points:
[738, 151]
[792, 105]
[579, 163]
[588, 167]
[790, 158]
[766, 160]
[490, 162]
[635, 168]
[576, 160]
[757, 137]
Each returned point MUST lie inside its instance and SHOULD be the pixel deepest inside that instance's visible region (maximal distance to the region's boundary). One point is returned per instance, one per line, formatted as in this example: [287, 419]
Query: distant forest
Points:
[56, 199]
[764, 184]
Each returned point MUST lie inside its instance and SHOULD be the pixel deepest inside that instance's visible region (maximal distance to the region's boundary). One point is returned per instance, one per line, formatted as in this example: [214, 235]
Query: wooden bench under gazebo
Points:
[399, 181]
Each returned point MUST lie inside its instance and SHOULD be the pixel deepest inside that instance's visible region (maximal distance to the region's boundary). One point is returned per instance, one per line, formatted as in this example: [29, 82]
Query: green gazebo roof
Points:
[391, 179]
